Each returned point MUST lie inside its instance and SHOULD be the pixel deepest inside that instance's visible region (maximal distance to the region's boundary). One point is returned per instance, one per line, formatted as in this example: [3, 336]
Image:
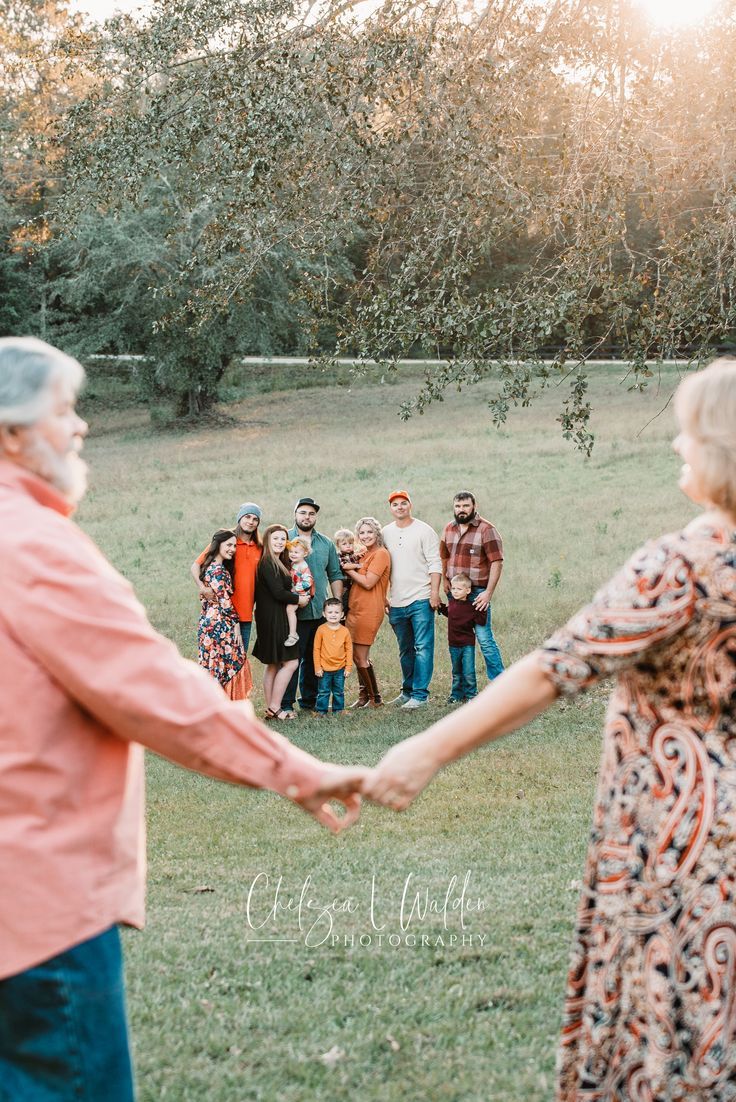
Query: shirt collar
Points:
[15, 477]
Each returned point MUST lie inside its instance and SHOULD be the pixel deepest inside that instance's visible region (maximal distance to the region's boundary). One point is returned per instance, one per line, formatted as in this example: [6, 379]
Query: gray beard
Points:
[67, 474]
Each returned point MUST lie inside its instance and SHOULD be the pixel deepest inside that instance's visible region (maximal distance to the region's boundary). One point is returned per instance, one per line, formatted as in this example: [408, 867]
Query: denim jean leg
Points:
[304, 677]
[245, 626]
[323, 694]
[63, 1028]
[338, 691]
[457, 690]
[486, 642]
[307, 676]
[422, 619]
[399, 620]
[469, 683]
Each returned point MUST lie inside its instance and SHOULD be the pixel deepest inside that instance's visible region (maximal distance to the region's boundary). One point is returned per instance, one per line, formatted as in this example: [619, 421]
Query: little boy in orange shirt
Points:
[333, 658]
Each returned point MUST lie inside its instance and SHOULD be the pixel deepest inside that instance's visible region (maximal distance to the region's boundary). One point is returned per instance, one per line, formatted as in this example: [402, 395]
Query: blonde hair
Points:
[297, 541]
[374, 525]
[705, 405]
[344, 534]
[464, 578]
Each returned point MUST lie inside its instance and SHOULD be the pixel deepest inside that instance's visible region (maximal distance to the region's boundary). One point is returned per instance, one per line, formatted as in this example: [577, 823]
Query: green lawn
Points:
[328, 1012]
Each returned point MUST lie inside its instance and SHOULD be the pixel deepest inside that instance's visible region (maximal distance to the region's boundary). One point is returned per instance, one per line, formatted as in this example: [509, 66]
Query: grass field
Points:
[322, 1014]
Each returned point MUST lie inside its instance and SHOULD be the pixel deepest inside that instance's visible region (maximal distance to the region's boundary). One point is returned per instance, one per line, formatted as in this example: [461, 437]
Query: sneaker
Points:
[401, 699]
[455, 700]
[291, 640]
[412, 703]
[318, 715]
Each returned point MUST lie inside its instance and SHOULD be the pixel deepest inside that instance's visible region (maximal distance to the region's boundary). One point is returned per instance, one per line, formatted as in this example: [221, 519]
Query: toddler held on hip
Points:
[349, 551]
[302, 582]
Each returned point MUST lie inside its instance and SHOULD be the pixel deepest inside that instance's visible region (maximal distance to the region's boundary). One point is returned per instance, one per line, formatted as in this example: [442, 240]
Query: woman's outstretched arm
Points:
[510, 701]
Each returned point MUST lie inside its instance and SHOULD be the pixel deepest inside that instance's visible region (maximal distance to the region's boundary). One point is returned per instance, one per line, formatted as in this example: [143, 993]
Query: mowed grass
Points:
[322, 1014]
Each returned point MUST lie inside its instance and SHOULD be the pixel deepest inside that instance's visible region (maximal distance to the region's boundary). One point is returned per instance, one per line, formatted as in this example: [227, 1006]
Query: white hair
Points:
[28, 370]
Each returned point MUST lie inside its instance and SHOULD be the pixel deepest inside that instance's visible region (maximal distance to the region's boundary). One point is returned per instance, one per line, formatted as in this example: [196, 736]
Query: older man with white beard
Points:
[85, 683]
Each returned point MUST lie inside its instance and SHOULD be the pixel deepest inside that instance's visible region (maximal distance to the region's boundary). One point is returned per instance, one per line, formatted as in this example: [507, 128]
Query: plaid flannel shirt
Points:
[471, 552]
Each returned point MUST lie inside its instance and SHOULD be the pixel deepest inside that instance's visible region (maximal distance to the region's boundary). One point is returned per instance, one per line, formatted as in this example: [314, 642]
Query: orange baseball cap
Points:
[399, 493]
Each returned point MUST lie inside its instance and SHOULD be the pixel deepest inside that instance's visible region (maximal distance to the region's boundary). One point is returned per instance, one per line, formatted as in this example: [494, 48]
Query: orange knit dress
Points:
[368, 606]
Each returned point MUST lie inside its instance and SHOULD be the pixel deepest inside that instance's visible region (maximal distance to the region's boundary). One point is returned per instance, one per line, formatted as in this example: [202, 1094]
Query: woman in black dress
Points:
[273, 594]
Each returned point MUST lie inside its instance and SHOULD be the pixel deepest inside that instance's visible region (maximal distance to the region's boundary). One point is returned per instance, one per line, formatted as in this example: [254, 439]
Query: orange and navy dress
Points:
[220, 644]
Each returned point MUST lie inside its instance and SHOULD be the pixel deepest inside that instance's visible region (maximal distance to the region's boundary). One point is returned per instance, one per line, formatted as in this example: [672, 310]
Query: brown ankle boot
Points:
[375, 694]
[364, 694]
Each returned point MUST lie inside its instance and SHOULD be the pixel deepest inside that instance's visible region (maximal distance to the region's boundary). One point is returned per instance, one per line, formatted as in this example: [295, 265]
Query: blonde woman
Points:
[367, 606]
[651, 996]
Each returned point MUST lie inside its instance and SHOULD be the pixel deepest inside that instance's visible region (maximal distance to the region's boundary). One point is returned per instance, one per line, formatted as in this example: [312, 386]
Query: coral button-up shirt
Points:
[85, 683]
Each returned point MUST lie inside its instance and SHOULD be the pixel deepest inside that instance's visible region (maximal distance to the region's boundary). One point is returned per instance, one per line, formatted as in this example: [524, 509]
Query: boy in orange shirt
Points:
[333, 658]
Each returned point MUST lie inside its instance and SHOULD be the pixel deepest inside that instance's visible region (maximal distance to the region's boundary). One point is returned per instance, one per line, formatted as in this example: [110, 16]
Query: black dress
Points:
[273, 594]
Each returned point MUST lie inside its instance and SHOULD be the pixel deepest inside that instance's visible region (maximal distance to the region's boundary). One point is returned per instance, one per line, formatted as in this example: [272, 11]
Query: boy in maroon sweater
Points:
[462, 616]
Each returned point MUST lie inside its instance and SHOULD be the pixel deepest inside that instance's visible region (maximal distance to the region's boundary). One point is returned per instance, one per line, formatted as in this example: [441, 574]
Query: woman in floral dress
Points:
[220, 643]
[650, 1013]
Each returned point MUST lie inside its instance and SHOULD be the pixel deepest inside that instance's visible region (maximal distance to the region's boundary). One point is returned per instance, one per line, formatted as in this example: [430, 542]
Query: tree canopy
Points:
[488, 183]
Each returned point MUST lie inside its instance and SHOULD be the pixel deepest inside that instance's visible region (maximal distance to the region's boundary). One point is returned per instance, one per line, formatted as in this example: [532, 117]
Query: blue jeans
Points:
[464, 685]
[63, 1030]
[245, 626]
[486, 642]
[414, 629]
[331, 681]
[304, 676]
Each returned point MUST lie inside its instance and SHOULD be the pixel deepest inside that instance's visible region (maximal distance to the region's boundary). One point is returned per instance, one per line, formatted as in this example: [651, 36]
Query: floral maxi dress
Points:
[220, 643]
[650, 1012]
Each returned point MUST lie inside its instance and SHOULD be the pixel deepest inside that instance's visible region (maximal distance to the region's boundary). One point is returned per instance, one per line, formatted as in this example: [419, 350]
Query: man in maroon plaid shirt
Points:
[471, 545]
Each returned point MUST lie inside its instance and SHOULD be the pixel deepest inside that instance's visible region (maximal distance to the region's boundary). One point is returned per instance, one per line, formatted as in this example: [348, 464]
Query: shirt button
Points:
[292, 791]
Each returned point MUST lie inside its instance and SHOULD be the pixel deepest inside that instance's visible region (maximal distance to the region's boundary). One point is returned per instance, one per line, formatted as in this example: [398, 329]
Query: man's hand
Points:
[435, 600]
[446, 586]
[318, 673]
[343, 783]
[402, 774]
[482, 601]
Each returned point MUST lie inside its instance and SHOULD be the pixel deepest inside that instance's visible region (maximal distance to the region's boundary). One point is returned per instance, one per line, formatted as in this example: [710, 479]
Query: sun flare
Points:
[677, 13]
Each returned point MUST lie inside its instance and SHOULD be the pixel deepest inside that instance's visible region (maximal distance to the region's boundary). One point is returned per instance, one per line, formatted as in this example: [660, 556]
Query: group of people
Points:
[87, 683]
[291, 581]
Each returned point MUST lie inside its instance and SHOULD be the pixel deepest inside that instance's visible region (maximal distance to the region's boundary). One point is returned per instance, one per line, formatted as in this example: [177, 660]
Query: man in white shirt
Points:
[416, 574]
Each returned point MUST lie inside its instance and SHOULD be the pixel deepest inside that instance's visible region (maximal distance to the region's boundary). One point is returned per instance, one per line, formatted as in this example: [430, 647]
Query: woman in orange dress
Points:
[650, 1012]
[367, 606]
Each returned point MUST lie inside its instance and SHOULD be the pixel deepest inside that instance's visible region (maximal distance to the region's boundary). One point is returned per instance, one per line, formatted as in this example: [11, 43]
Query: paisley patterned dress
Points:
[220, 644]
[650, 1012]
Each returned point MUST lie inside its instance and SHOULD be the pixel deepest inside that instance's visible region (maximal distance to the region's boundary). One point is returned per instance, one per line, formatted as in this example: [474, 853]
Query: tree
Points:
[36, 89]
[527, 176]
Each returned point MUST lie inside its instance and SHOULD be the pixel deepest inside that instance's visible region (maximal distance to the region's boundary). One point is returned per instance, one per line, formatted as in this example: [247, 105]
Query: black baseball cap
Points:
[307, 501]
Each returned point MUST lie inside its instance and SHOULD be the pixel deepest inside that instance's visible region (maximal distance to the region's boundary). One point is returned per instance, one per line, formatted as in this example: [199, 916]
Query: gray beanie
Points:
[248, 507]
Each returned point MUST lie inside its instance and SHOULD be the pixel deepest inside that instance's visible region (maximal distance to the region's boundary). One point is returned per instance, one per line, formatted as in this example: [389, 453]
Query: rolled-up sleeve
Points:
[334, 573]
[431, 544]
[82, 622]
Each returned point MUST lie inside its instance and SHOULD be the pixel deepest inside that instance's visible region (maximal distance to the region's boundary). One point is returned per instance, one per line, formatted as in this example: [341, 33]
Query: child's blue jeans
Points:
[464, 685]
[331, 682]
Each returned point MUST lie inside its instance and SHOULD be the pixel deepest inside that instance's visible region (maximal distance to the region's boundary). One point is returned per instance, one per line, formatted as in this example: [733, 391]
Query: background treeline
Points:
[481, 183]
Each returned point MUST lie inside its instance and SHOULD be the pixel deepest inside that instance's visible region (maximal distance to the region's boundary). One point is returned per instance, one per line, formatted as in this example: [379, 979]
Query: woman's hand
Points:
[402, 774]
[303, 601]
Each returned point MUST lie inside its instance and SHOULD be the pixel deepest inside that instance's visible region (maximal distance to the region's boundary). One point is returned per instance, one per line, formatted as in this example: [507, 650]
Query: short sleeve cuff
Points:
[568, 672]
